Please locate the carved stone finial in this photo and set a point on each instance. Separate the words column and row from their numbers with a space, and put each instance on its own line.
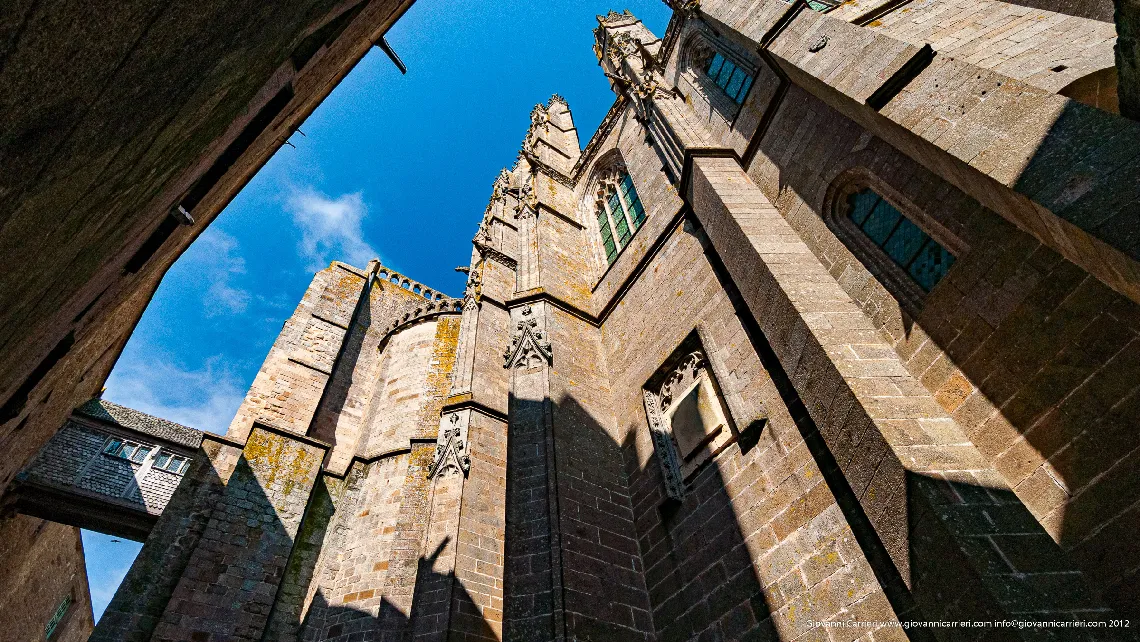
column 529, row 347
column 528, row 201
column 686, row 7
column 451, row 453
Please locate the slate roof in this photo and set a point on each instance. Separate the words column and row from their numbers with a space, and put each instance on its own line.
column 104, row 410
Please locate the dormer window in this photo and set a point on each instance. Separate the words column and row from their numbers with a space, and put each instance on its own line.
column 170, row 462
column 128, row 450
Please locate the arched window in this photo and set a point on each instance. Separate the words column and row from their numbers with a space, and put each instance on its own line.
column 618, row 210
column 907, row 250
column 718, row 74
column 908, row 247
column 732, row 80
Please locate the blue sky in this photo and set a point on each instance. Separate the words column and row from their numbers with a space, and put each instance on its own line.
column 389, row 166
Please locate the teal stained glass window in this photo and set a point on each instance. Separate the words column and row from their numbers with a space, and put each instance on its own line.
column 632, row 202
column 607, row 235
column 619, row 216
column 621, row 225
column 733, row 80
column 921, row 257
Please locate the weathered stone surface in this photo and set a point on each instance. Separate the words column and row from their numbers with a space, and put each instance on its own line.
column 883, row 451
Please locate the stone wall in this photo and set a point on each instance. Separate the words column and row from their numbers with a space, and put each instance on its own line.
column 43, row 570
column 870, row 438
column 1027, row 351
column 117, row 127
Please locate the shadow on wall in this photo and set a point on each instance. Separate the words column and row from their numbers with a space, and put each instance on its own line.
column 1051, row 351
column 213, row 567
column 773, row 535
column 384, row 621
column 749, row 554
column 344, row 368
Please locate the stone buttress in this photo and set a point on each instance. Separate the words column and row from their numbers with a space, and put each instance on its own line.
column 688, row 393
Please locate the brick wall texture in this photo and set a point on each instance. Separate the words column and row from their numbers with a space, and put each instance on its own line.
column 43, row 567
column 890, row 456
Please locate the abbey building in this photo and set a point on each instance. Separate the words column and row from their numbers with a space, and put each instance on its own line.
column 828, row 331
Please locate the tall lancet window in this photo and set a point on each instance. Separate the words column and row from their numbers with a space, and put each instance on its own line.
column 619, row 210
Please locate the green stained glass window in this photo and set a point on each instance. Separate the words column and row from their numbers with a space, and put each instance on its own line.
column 607, row 235
column 908, row 247
column 619, row 217
column 632, row 202
column 621, row 225
column 733, row 80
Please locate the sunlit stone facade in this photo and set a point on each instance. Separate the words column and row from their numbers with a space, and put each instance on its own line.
column 834, row 319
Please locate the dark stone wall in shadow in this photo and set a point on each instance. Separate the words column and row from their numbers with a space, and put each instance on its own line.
column 1037, row 360
column 140, row 600
column 528, row 581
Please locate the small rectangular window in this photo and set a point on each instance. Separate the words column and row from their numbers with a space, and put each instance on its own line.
column 112, row 446
column 177, row 464
column 162, row 460
column 140, row 454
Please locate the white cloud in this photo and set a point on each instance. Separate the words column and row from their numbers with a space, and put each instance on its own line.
column 217, row 252
column 206, row 399
column 330, row 228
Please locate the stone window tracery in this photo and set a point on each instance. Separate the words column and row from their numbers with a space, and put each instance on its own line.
column 618, row 209
column 687, row 417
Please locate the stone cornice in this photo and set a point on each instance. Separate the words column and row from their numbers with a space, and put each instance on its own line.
column 476, row 406
column 490, row 252
column 547, row 169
